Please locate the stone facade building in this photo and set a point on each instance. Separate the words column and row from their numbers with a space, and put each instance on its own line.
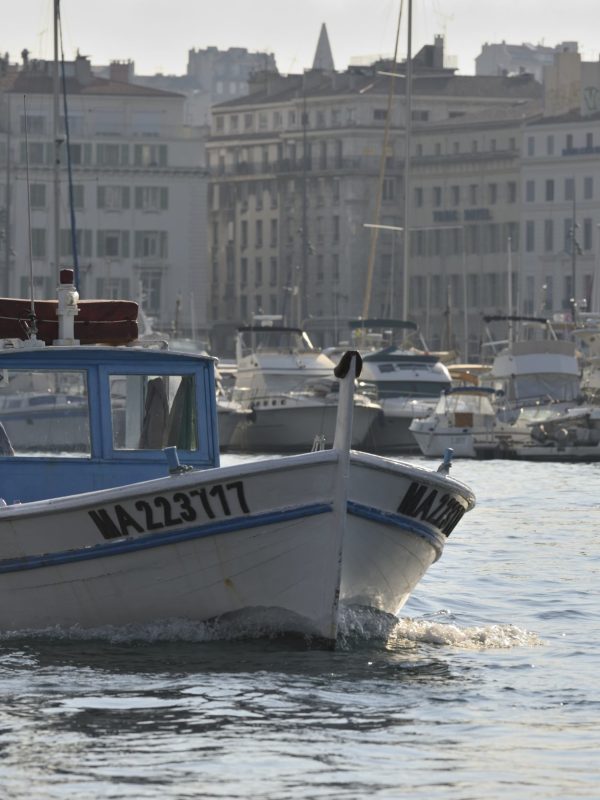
column 139, row 191
column 294, row 175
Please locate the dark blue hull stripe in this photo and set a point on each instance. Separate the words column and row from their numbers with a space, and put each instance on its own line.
column 398, row 521
column 126, row 545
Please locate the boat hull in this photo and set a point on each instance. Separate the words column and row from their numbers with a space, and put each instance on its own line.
column 255, row 540
column 292, row 428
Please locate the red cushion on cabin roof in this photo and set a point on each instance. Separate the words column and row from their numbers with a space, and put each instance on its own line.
column 98, row 321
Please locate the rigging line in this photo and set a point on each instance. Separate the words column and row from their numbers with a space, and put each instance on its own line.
column 382, row 163
column 69, row 162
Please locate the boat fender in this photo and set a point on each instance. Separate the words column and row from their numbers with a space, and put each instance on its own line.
column 341, row 370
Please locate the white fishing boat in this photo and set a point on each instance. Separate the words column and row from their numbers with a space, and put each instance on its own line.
column 466, row 420
column 287, row 384
column 278, row 541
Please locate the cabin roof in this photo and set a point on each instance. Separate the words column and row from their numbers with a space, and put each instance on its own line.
column 94, row 355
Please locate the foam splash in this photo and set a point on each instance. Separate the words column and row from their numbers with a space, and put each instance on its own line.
column 419, row 631
column 357, row 627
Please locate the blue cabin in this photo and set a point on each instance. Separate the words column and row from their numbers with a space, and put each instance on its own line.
column 80, row 418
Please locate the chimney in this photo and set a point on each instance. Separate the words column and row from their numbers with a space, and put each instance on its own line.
column 120, row 71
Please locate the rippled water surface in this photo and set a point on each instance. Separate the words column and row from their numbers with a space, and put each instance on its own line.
column 489, row 687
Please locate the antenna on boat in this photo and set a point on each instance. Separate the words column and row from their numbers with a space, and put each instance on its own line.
column 31, row 325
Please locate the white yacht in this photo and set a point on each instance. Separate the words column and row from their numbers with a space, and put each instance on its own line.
column 408, row 383
column 287, row 385
column 465, row 419
column 535, row 373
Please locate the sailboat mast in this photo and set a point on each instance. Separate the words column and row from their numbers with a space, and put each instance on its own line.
column 55, row 117
column 407, row 131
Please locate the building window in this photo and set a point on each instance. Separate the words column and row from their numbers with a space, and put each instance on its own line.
column 112, row 198
column 259, row 233
column 473, row 194
column 588, row 188
column 530, row 236
column 587, row 234
column 550, row 145
column 530, row 191
column 549, row 190
column 112, row 244
column 36, row 124
column 437, row 196
column 549, row 236
column 151, row 244
column 569, row 188
column 492, row 193
column 380, row 114
column 248, row 122
column 530, row 146
column 336, row 228
column 388, row 189
column 589, row 141
column 150, row 155
column 511, row 187
column 493, row 145
column 419, row 115
column 38, row 243
column 455, row 195
column 150, row 281
column 418, row 196
column 569, row 141
column 37, row 195
column 151, row 198
column 258, row 272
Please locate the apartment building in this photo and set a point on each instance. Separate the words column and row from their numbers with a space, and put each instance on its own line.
column 294, row 176
column 138, row 188
column 561, row 193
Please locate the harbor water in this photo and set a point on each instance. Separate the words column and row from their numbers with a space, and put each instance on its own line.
column 489, row 687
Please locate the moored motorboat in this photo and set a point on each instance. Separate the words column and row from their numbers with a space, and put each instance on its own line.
column 287, row 385
column 466, row 420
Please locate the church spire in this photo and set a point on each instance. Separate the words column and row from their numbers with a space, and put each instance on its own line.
column 323, row 59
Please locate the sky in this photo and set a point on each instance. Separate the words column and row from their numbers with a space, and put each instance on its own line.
column 157, row 34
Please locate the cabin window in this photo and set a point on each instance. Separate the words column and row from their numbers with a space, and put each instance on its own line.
column 45, row 412
column 149, row 412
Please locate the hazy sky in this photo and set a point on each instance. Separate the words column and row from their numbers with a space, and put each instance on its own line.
column 157, row 34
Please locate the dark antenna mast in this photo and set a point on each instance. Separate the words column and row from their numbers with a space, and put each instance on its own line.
column 32, row 326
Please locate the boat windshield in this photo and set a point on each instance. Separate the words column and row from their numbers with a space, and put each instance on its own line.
column 150, row 412
column 44, row 413
column 410, row 388
column 472, row 403
column 275, row 341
